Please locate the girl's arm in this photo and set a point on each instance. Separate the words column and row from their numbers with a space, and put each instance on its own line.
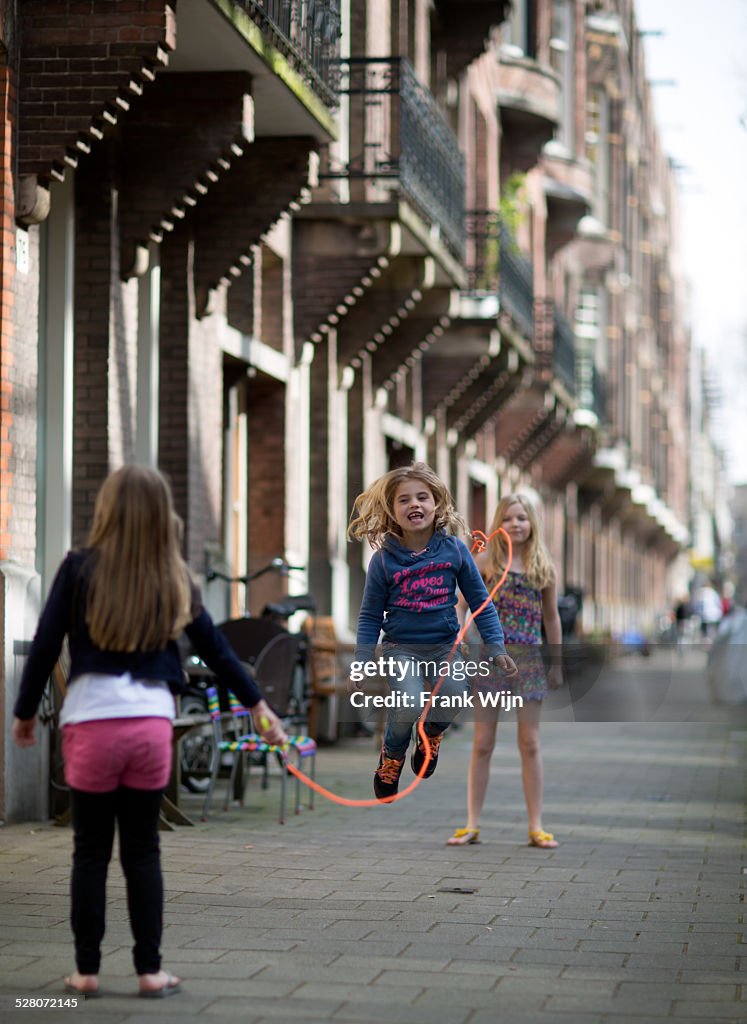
column 475, row 593
column 550, row 615
column 54, row 623
column 373, row 606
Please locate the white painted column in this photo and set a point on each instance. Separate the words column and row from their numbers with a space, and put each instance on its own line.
column 338, row 492
column 148, row 364
column 56, row 365
column 298, row 448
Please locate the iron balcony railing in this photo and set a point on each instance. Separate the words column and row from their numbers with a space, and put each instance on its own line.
column 307, row 33
column 495, row 265
column 516, row 289
column 564, row 351
column 555, row 343
column 400, row 140
column 600, row 395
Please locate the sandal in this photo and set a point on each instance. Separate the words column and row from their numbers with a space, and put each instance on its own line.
column 170, row 988
column 77, row 990
column 464, row 837
column 544, row 840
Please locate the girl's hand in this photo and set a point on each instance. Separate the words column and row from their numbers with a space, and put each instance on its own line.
column 555, row 677
column 505, row 664
column 23, row 731
column 268, row 724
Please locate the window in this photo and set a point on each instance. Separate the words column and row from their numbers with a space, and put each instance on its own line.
column 590, row 354
column 521, row 33
column 563, row 59
column 597, row 149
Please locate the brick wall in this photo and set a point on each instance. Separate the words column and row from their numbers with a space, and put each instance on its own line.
column 176, row 259
column 320, row 578
column 93, row 281
column 266, row 430
column 23, row 405
column 7, row 304
column 191, row 406
column 18, row 357
column 272, row 299
column 81, row 65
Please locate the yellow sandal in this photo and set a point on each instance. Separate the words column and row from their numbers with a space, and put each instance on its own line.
column 544, row 840
column 464, row 837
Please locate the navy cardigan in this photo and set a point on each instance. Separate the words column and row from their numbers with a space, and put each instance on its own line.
column 64, row 614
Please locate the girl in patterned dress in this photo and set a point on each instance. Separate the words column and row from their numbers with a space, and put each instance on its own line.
column 526, row 600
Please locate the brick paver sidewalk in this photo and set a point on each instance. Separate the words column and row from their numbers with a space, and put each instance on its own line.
column 347, row 915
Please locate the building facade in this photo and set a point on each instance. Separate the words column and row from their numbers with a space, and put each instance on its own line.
column 279, row 248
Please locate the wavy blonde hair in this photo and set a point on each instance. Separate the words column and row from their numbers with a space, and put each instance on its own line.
column 373, row 512
column 139, row 592
column 538, row 567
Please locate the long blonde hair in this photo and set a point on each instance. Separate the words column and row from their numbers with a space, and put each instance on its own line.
column 538, row 567
column 139, row 592
column 373, row 512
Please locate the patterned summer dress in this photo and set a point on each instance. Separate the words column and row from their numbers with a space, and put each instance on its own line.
column 519, row 608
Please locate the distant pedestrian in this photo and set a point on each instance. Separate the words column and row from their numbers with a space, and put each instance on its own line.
column 707, row 605
column 525, row 602
column 122, row 601
column 682, row 616
column 407, row 515
column 570, row 604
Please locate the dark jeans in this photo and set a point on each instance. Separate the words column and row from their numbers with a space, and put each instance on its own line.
column 94, row 814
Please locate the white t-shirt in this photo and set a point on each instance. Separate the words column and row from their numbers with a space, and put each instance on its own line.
column 94, row 696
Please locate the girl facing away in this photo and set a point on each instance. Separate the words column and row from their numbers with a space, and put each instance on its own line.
column 526, row 600
column 408, row 517
column 122, row 601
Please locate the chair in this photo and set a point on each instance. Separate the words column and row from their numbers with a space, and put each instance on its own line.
column 234, row 734
column 233, row 731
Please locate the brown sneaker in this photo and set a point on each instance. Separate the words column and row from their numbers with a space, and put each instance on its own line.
column 418, row 755
column 386, row 776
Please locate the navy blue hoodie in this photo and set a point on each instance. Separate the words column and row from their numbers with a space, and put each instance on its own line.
column 411, row 595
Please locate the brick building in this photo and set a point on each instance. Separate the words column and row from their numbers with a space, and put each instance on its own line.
column 271, row 248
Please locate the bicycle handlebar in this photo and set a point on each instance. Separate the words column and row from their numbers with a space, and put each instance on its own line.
column 277, row 565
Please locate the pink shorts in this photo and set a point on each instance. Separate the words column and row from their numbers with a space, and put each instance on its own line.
column 100, row 756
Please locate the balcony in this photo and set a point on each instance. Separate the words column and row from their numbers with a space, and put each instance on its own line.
column 289, row 47
column 556, row 345
column 607, row 47
column 460, row 29
column 402, row 147
column 529, row 100
column 568, row 187
column 564, row 352
column 496, row 270
column 591, row 392
column 308, row 36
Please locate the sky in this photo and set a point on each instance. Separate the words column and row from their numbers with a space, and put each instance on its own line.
column 703, row 125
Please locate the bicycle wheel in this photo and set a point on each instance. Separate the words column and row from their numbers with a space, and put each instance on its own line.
column 196, row 749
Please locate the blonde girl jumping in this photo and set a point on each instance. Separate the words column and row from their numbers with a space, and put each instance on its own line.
column 407, row 516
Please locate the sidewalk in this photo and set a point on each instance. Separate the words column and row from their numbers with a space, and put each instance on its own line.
column 345, row 915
